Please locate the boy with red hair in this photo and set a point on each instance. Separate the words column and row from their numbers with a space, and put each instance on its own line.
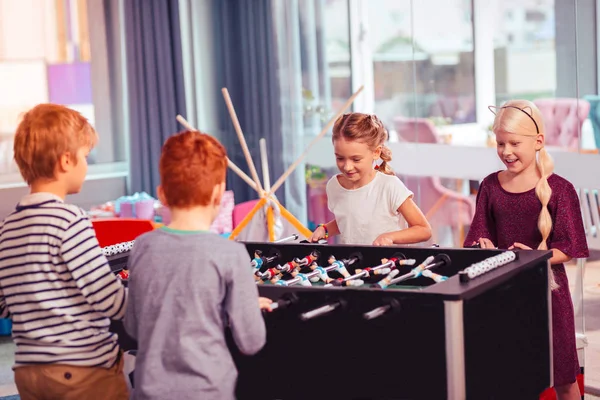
column 55, row 282
column 187, row 284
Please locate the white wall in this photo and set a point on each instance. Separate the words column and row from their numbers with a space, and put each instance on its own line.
column 531, row 71
column 94, row 192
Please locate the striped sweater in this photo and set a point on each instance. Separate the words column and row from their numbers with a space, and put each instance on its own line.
column 57, row 286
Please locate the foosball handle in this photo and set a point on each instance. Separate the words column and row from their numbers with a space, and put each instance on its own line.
column 323, row 310
column 286, row 301
column 393, row 304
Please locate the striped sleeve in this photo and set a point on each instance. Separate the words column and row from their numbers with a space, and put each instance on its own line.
column 90, row 270
column 4, row 313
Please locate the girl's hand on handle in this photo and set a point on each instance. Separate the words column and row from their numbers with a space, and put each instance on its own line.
column 264, row 303
column 318, row 234
column 383, row 240
column 517, row 245
column 486, row 243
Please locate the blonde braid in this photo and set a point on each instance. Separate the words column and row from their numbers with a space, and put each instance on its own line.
column 386, row 156
column 543, row 192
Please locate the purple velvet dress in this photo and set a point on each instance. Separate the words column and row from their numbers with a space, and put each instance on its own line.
column 505, row 218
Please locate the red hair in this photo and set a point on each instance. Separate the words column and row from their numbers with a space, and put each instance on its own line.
column 191, row 165
column 44, row 135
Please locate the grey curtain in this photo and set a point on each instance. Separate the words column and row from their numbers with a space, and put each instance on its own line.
column 247, row 64
column 155, row 84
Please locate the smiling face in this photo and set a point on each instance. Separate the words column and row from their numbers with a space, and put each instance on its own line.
column 518, row 152
column 519, row 130
column 355, row 161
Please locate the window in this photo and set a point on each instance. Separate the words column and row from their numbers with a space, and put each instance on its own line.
column 522, row 44
column 50, row 53
column 419, row 69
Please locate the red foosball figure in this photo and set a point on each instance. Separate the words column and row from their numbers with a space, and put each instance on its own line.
column 309, row 259
column 272, row 274
column 289, row 267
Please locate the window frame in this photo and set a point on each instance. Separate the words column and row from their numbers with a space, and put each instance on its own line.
column 110, row 97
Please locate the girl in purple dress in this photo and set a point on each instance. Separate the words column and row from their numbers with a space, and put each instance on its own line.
column 526, row 206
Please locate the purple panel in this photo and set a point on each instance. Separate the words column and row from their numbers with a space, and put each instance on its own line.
column 70, row 83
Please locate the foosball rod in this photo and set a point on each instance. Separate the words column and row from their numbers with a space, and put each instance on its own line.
column 287, row 239
column 317, row 312
column 308, row 275
column 395, row 261
column 363, row 273
column 442, row 259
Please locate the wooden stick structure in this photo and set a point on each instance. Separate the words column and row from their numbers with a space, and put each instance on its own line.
column 267, row 182
column 240, row 134
column 271, row 223
column 261, row 203
column 265, row 164
column 267, row 195
column 323, row 132
column 285, row 213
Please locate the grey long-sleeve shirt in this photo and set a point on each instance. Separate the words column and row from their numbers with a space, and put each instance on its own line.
column 183, row 290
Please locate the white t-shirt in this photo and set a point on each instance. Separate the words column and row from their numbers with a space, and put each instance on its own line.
column 365, row 213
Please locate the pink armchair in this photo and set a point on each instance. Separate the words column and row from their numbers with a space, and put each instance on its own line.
column 442, row 207
column 241, row 210
column 563, row 118
column 417, row 130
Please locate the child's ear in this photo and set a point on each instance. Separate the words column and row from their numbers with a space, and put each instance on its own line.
column 377, row 153
column 161, row 195
column 218, row 193
column 539, row 141
column 65, row 162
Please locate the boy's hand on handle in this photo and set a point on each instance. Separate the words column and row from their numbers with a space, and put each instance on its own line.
column 383, row 240
column 517, row 245
column 264, row 303
column 318, row 234
column 486, row 243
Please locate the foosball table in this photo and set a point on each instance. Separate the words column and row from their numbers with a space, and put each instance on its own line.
column 362, row 322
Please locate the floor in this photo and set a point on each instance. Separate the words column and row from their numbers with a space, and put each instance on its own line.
column 591, row 310
column 7, row 358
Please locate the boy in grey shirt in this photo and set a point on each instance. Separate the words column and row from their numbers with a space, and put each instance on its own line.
column 187, row 285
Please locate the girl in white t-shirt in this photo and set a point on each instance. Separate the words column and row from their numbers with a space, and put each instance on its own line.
column 367, row 198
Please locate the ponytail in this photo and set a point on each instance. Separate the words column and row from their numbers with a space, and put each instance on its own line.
column 543, row 192
column 386, row 156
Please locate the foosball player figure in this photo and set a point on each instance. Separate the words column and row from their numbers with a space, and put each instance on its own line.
column 272, row 275
column 291, row 268
column 303, row 262
column 257, row 263
column 340, row 266
column 323, row 276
